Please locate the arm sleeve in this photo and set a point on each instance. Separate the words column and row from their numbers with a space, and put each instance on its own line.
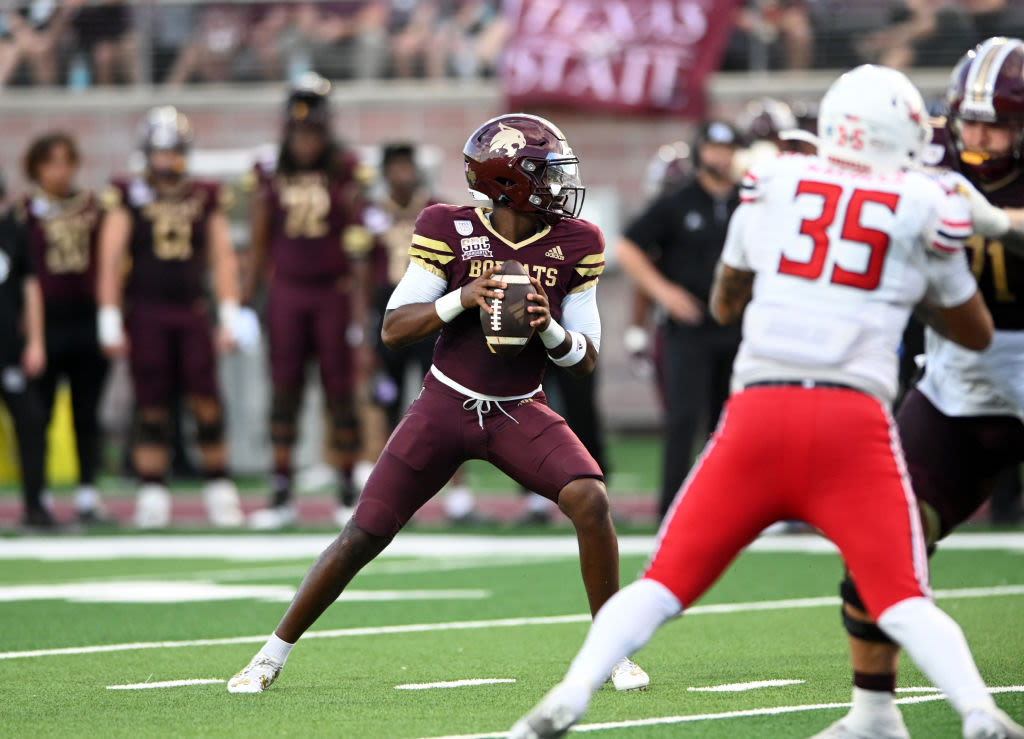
column 734, row 253
column 950, row 281
column 417, row 285
column 579, row 313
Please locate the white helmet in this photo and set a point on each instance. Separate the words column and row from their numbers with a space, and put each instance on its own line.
column 873, row 119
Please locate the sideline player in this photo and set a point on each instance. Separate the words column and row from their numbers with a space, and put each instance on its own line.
column 963, row 425
column 170, row 228
column 63, row 223
column 475, row 404
column 831, row 253
column 308, row 240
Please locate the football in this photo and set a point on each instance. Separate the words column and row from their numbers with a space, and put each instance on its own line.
column 507, row 328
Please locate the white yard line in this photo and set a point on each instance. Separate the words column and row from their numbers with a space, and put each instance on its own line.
column 166, row 684
column 772, row 711
column 455, row 683
column 743, row 687
column 1002, row 590
column 264, row 547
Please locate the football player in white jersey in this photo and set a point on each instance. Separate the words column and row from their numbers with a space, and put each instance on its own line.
column 963, row 425
column 832, row 252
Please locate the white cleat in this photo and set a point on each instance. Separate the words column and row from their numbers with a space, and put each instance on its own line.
column 991, row 723
column 628, row 675
column 222, row 505
column 882, row 729
column 342, row 515
column 562, row 707
column 273, row 518
column 153, row 506
column 257, row 676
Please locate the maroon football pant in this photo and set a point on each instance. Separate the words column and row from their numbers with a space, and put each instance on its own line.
column 303, row 321
column 954, row 463
column 437, row 434
column 170, row 349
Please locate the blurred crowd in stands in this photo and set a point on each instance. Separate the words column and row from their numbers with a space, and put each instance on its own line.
column 79, row 43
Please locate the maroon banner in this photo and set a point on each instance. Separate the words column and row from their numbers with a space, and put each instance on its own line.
column 637, row 56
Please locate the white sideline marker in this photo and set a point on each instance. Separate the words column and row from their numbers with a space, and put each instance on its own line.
column 455, row 683
column 743, row 687
column 166, row 684
column 772, row 711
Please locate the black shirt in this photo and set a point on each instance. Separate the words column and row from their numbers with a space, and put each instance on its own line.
column 15, row 268
column 683, row 233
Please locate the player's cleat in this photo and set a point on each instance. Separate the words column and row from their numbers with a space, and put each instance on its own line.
column 153, row 506
column 273, row 518
column 342, row 514
column 991, row 723
column 38, row 519
column 562, row 707
column 257, row 676
column 628, row 675
column 885, row 728
column 96, row 516
column 222, row 505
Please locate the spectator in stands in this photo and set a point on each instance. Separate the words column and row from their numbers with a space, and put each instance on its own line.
column 771, row 34
column 30, row 32
column 106, row 35
column 22, row 358
column 63, row 223
column 345, row 39
column 220, row 35
column 670, row 251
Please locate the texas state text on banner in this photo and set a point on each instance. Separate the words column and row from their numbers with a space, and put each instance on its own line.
column 614, row 55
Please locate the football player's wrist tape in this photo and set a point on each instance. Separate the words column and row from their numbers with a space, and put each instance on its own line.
column 553, row 335
column 110, row 326
column 576, row 352
column 449, row 307
column 227, row 314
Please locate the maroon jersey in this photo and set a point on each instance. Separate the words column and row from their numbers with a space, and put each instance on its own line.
column 458, row 244
column 999, row 272
column 393, row 225
column 168, row 246
column 62, row 236
column 316, row 225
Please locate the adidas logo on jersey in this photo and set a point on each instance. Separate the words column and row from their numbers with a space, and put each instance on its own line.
column 555, row 252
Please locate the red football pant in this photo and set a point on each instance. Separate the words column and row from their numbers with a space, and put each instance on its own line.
column 828, row 457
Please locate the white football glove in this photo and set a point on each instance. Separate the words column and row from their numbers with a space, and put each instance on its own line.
column 988, row 220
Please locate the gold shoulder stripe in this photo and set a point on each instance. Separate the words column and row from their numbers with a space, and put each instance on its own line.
column 225, row 197
column 356, row 240
column 110, row 198
column 429, row 267
column 439, row 258
column 590, row 271
column 584, row 287
column 431, row 243
column 592, row 259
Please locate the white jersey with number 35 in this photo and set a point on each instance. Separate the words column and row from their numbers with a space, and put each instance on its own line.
column 841, row 258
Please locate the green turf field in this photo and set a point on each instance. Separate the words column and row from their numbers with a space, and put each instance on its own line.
column 344, row 683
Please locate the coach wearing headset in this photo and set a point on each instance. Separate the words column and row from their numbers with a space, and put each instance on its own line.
column 670, row 251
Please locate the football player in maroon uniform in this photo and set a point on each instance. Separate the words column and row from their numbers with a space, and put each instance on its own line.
column 309, row 241
column 962, row 426
column 475, row 403
column 167, row 230
column 63, row 222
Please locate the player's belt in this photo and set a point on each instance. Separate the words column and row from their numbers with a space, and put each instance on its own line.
column 806, row 384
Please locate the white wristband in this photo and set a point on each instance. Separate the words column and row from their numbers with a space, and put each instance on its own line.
column 227, row 314
column 576, row 353
column 553, row 335
column 449, row 307
column 109, row 326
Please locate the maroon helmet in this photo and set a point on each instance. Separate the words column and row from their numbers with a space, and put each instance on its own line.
column 524, row 162
column 987, row 84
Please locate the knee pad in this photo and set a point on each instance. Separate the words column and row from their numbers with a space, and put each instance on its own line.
column 345, row 425
column 210, row 432
column 856, row 628
column 152, row 431
column 284, row 409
